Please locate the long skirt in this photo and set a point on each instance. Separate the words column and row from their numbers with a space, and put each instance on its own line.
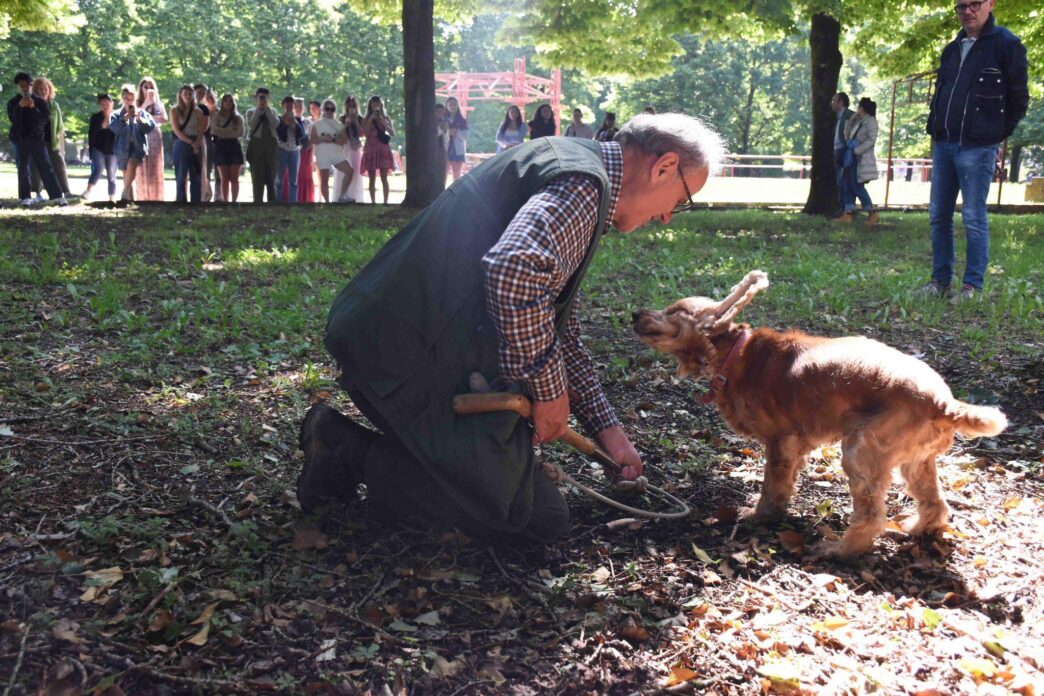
column 148, row 184
column 306, row 178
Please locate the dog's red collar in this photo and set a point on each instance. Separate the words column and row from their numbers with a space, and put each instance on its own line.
column 719, row 380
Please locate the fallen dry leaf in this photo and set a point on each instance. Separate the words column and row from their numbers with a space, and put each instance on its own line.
column 309, row 539
column 160, row 620
column 679, row 675
column 792, row 541
column 442, row 668
column 205, row 615
column 200, row 639
column 66, row 630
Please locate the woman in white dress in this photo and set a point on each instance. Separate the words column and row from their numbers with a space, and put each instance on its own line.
column 328, row 135
column 352, row 149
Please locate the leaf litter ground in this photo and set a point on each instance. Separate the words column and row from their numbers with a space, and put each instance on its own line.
column 151, row 542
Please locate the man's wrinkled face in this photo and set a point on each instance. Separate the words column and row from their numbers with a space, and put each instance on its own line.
column 973, row 18
column 652, row 189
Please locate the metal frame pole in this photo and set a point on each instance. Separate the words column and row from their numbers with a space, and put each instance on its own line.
column 891, row 141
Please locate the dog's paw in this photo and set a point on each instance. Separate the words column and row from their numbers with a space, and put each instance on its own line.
column 760, row 515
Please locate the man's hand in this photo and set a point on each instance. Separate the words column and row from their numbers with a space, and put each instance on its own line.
column 550, row 419
column 618, row 446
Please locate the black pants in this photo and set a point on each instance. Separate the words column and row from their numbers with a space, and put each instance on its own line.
column 397, row 481
column 35, row 151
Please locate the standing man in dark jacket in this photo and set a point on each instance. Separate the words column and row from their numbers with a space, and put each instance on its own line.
column 30, row 125
column 980, row 95
column 484, row 280
column 841, row 102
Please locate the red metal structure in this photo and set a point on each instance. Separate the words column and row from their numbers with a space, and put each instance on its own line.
column 516, row 88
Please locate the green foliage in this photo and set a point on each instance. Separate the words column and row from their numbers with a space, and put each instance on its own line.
column 298, row 47
column 38, row 15
column 901, row 39
column 766, row 108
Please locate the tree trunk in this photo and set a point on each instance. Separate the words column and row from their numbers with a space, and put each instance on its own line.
column 425, row 175
column 824, row 45
column 1015, row 163
column 748, row 116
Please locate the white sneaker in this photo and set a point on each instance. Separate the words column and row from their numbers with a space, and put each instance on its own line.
column 62, row 202
column 39, row 198
column 28, row 202
column 346, row 199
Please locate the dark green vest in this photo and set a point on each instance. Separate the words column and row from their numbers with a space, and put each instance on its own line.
column 412, row 325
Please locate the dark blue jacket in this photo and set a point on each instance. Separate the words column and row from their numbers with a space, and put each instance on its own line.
column 29, row 123
column 980, row 102
column 283, row 131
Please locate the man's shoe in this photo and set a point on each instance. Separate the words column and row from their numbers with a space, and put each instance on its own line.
column 334, row 447
column 932, row 288
column 843, row 218
column 873, row 218
column 62, row 201
column 28, row 202
column 968, row 293
column 346, row 199
column 39, row 198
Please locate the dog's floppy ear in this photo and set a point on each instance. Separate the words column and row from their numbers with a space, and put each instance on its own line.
column 739, row 297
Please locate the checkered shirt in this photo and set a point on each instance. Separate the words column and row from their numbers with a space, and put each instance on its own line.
column 525, row 272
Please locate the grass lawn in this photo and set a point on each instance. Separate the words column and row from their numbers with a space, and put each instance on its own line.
column 155, row 363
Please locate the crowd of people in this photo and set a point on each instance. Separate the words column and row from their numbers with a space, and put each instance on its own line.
column 285, row 147
column 212, row 141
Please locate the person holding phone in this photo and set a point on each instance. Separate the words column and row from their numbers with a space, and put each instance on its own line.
column 329, row 138
column 377, row 153
column 263, row 146
column 29, row 115
column 131, row 128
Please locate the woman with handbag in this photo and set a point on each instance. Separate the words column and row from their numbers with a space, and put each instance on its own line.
column 860, row 165
column 329, row 137
column 351, row 119
column 188, row 124
column 377, row 154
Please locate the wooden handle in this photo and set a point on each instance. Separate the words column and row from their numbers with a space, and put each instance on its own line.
column 575, row 439
column 465, row 404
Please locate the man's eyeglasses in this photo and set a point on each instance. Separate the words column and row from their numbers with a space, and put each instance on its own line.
column 329, row 108
column 963, row 7
column 690, row 204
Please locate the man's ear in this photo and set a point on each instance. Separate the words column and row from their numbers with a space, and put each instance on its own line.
column 665, row 166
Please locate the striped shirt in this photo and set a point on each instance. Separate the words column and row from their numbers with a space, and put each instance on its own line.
column 527, row 269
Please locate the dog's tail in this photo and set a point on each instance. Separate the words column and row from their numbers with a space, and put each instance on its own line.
column 977, row 421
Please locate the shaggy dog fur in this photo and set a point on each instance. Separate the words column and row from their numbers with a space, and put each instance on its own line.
column 794, row 392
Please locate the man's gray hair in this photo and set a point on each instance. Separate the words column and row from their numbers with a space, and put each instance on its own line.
column 697, row 144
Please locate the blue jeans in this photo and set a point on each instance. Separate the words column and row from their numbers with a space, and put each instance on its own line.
column 855, row 189
column 100, row 161
column 186, row 166
column 289, row 162
column 968, row 170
